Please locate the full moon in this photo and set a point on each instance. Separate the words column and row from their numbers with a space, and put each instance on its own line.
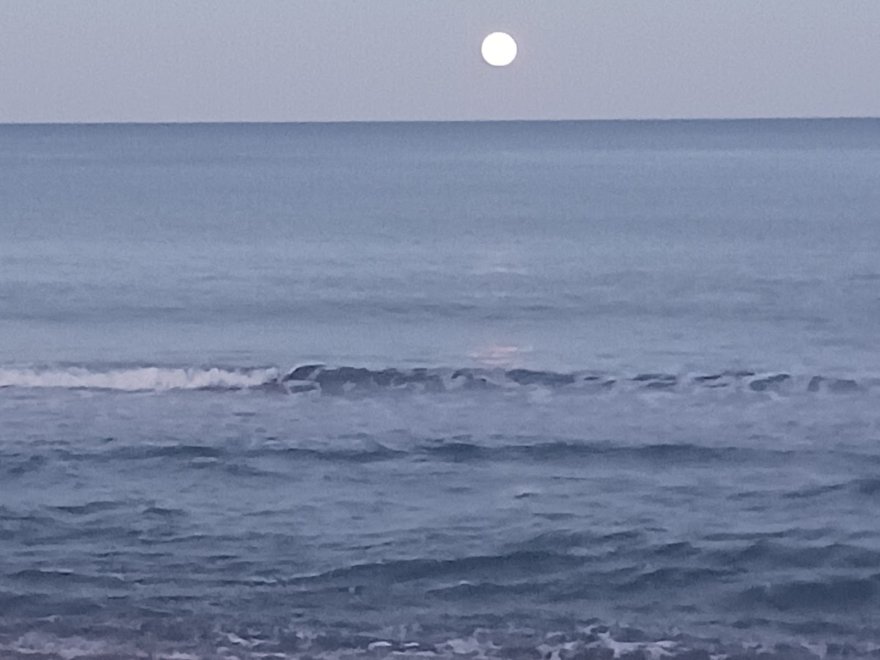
column 499, row 49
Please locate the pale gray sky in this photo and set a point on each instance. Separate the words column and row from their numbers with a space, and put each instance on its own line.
column 327, row 60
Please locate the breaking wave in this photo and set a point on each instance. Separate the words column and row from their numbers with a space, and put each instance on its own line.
column 135, row 379
column 354, row 380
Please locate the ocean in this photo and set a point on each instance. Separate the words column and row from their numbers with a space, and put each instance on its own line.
column 550, row 390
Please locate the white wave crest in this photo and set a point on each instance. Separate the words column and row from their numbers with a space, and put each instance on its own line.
column 135, row 379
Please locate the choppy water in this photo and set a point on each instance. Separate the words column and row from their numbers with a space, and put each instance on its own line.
column 561, row 390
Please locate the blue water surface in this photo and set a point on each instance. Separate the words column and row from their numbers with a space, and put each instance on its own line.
column 561, row 390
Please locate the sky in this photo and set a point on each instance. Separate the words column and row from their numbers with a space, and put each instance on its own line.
column 353, row 60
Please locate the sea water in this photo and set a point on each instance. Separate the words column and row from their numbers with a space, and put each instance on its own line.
column 519, row 390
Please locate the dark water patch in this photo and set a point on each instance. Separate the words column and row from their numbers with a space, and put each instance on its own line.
column 163, row 512
column 32, row 605
column 655, row 377
column 376, row 452
column 813, row 491
column 603, row 545
column 769, row 554
column 16, row 465
column 769, row 383
column 813, row 627
column 559, row 541
column 303, row 372
column 626, row 536
column 60, row 533
column 234, row 467
column 176, row 537
column 656, row 381
column 868, row 486
column 833, row 594
column 835, row 385
column 247, row 470
column 345, row 379
column 174, row 451
column 793, row 532
column 458, row 452
column 675, row 550
column 677, row 453
column 15, row 515
column 679, row 577
column 393, row 572
column 89, row 508
column 471, row 592
column 546, row 378
column 57, row 578
column 861, row 487
column 555, row 516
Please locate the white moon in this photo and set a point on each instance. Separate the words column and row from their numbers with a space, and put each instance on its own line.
column 499, row 49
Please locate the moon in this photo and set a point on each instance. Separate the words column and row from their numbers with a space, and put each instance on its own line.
column 499, row 49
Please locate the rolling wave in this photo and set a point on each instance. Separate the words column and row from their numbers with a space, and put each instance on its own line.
column 358, row 380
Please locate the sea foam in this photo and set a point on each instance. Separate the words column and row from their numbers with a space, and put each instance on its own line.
column 135, row 379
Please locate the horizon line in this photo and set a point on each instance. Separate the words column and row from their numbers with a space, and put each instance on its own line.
column 441, row 121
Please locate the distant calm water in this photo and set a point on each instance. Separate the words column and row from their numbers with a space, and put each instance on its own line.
column 519, row 390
